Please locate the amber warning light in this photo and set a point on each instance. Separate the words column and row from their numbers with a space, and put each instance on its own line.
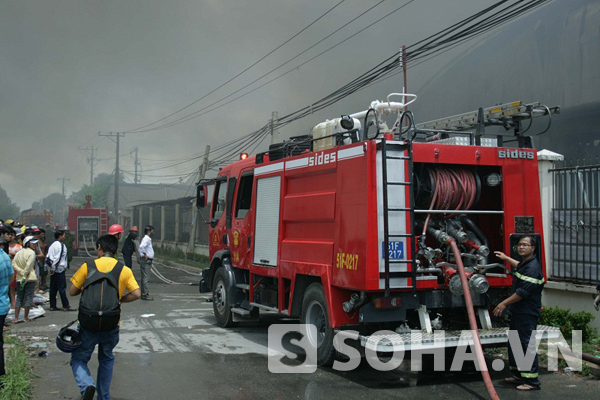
column 243, row 156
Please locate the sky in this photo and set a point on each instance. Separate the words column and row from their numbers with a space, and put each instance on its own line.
column 72, row 69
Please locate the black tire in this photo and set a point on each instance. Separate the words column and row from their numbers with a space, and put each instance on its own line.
column 222, row 299
column 314, row 311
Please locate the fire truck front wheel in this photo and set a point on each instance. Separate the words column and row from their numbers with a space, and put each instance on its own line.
column 222, row 299
column 314, row 311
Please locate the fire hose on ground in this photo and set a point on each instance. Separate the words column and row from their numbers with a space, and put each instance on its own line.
column 472, row 321
column 153, row 269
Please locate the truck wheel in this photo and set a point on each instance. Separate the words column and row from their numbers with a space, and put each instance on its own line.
column 222, row 300
column 314, row 311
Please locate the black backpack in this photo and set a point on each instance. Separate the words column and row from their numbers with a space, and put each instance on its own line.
column 100, row 306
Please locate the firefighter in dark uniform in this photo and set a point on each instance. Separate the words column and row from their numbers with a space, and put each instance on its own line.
column 525, row 306
column 129, row 248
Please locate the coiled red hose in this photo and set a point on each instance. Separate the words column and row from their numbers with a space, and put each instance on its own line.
column 454, row 188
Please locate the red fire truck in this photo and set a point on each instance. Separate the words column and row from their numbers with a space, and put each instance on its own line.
column 351, row 228
column 40, row 218
column 87, row 224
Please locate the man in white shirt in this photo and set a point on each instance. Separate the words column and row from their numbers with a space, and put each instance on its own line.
column 57, row 262
column 147, row 255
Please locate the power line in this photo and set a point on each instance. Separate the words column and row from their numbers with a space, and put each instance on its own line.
column 242, row 72
column 199, row 112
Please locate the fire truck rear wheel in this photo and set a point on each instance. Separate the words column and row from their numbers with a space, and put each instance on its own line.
column 314, row 311
column 222, row 299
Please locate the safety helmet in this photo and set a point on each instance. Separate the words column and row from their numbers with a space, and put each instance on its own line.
column 9, row 221
column 68, row 339
column 133, row 229
column 114, row 229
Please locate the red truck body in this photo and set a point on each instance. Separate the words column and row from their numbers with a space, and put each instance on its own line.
column 281, row 226
column 87, row 224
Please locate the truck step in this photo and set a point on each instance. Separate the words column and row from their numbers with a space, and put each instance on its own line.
column 243, row 286
column 240, row 311
column 419, row 340
column 267, row 308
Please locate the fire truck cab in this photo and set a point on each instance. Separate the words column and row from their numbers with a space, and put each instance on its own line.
column 349, row 229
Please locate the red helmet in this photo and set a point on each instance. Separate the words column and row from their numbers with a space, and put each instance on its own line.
column 114, row 229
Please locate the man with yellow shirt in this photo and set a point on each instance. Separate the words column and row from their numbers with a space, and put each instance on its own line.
column 106, row 247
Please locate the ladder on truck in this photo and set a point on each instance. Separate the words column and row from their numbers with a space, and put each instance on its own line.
column 103, row 223
column 395, row 147
column 508, row 115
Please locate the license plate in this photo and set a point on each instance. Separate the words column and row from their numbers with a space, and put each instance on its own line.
column 395, row 250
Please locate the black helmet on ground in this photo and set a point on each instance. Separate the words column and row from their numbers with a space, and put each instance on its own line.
column 68, row 339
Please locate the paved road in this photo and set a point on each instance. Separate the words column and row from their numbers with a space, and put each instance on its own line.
column 171, row 348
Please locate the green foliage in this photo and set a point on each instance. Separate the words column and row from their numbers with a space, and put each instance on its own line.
column 99, row 192
column 18, row 372
column 8, row 209
column 568, row 322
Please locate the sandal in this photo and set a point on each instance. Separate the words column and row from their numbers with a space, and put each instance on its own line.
column 525, row 387
column 513, row 379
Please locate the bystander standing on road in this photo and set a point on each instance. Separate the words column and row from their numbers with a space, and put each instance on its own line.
column 106, row 246
column 6, row 277
column 39, row 259
column 129, row 246
column 525, row 306
column 147, row 255
column 43, row 268
column 24, row 266
column 57, row 262
column 13, row 248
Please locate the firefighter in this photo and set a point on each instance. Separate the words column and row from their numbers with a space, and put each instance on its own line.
column 115, row 230
column 129, row 247
column 525, row 305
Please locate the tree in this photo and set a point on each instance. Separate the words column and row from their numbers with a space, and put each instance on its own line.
column 98, row 192
column 8, row 209
column 57, row 203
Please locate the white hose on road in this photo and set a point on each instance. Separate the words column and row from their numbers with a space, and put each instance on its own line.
column 165, row 280
column 86, row 247
column 181, row 269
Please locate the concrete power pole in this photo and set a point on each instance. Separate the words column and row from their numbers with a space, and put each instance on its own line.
column 63, row 184
column 204, row 166
column 274, row 131
column 202, row 173
column 135, row 179
column 118, row 135
column 90, row 161
column 62, row 210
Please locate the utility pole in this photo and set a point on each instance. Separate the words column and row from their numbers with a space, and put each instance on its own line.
column 201, row 172
column 135, row 178
column 274, row 131
column 90, row 161
column 204, row 166
column 63, row 184
column 62, row 210
column 118, row 135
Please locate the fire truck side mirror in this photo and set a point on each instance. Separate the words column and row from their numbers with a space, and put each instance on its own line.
column 201, row 195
